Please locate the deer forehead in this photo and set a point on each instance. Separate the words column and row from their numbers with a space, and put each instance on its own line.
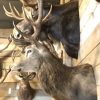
column 30, row 47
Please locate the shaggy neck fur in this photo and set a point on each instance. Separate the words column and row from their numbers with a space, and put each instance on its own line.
column 53, row 75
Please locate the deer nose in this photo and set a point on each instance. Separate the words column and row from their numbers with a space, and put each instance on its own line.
column 19, row 70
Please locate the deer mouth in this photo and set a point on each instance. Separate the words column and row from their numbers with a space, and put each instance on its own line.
column 27, row 76
column 20, row 75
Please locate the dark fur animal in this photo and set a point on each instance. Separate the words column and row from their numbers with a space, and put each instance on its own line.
column 62, row 24
column 58, row 80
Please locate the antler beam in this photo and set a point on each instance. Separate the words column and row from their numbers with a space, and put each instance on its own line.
column 13, row 13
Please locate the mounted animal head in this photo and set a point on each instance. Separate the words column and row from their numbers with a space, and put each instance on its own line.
column 22, row 28
column 63, row 24
column 31, row 21
column 20, row 33
column 67, row 32
column 35, row 57
column 54, row 77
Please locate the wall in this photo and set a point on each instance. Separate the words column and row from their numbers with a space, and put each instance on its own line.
column 90, row 37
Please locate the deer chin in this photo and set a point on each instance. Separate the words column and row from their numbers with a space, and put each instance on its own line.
column 18, row 77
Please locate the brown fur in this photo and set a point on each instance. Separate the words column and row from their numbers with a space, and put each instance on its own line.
column 25, row 92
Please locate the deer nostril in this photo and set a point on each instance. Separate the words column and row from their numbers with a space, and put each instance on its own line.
column 19, row 69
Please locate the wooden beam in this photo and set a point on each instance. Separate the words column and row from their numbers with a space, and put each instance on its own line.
column 83, row 7
column 5, row 33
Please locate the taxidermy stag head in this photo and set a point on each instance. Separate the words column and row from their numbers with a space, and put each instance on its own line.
column 58, row 80
column 62, row 24
column 22, row 28
column 59, row 21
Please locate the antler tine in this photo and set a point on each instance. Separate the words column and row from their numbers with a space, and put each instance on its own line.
column 24, row 13
column 40, row 11
column 11, row 8
column 40, row 14
column 16, row 11
column 13, row 13
column 36, row 24
column 47, row 14
column 26, row 18
column 7, row 12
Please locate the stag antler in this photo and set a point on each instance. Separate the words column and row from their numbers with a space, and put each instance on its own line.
column 45, row 18
column 37, row 24
column 13, row 13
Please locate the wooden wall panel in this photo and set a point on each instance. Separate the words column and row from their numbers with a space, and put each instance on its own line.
column 83, row 6
column 90, row 37
column 87, row 13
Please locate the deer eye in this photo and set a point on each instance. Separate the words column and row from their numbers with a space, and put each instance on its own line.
column 29, row 51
